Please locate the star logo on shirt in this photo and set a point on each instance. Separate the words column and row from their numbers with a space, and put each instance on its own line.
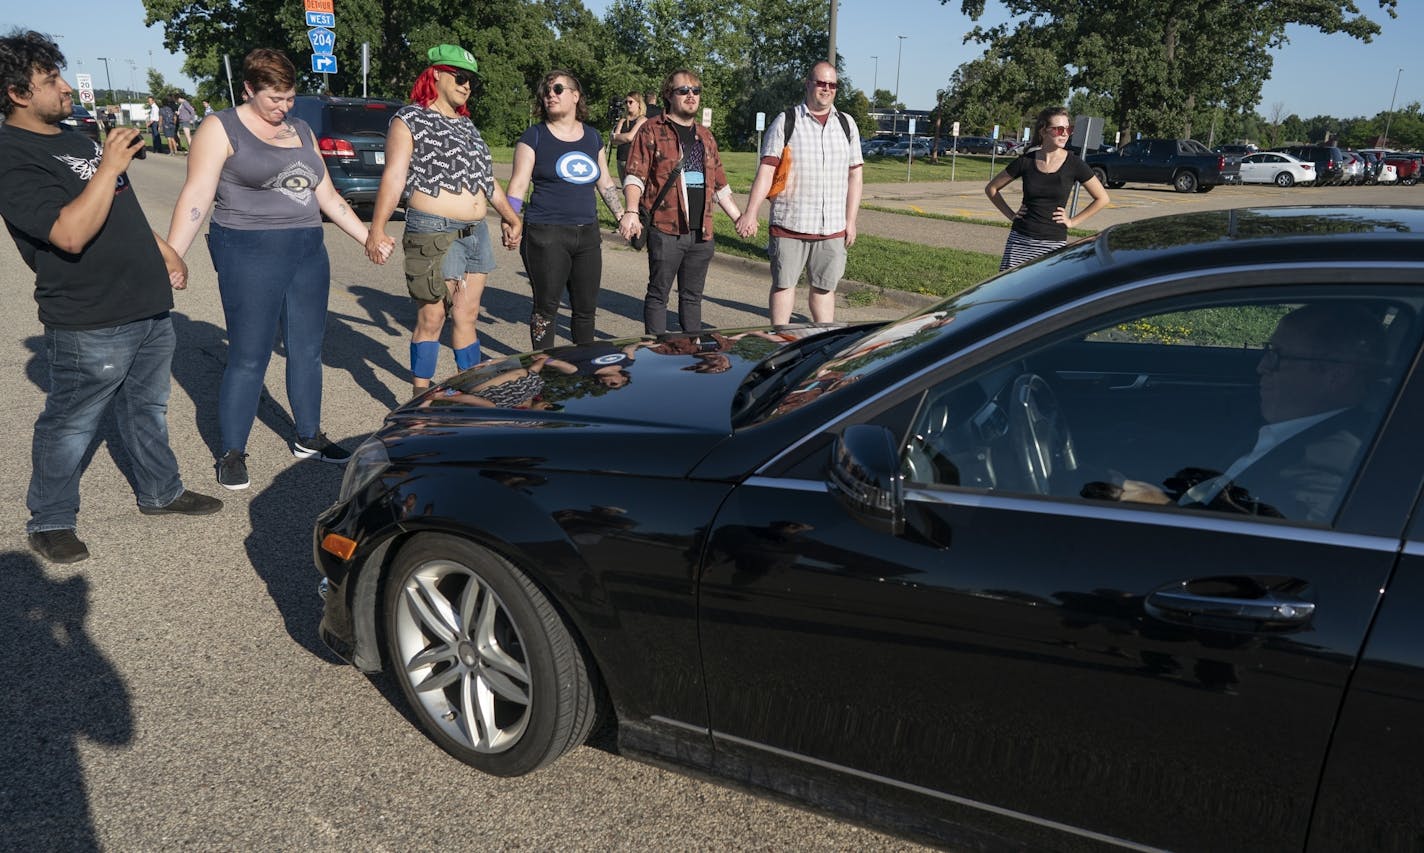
column 576, row 167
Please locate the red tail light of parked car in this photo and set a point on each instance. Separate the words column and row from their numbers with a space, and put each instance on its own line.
column 335, row 147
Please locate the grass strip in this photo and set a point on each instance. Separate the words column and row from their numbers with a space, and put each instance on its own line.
column 878, row 261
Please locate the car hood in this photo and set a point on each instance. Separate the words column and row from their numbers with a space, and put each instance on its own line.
column 633, row 405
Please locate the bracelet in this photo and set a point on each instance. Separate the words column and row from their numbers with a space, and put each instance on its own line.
column 626, row 212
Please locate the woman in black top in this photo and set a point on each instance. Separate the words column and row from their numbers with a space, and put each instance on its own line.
column 634, row 114
column 1048, row 171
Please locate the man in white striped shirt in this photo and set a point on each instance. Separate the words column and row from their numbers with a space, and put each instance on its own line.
column 813, row 217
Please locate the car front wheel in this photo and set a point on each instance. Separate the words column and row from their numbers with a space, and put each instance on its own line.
column 484, row 659
column 1284, row 179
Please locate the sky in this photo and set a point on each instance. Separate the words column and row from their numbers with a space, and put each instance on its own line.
column 1313, row 75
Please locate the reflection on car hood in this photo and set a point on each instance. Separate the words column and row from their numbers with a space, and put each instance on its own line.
column 673, row 381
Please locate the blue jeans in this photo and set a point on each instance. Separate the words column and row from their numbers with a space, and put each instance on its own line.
column 266, row 279
column 129, row 365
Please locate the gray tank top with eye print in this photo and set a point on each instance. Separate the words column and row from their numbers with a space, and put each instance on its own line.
column 264, row 186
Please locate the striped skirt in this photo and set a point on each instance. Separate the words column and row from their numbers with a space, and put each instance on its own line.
column 1021, row 249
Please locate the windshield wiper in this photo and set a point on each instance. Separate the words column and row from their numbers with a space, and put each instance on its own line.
column 784, row 368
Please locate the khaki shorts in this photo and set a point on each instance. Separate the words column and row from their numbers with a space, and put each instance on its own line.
column 823, row 260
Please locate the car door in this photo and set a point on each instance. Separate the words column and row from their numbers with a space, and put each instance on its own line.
column 1031, row 657
column 1254, row 168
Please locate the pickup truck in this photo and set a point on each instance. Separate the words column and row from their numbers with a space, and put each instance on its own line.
column 1186, row 164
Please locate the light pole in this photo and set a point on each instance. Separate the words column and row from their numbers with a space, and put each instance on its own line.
column 875, row 80
column 132, row 66
column 1389, row 116
column 109, row 78
column 898, row 52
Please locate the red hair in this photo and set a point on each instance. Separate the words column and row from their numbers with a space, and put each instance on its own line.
column 425, row 93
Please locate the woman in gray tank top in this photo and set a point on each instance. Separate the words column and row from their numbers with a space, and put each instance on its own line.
column 261, row 172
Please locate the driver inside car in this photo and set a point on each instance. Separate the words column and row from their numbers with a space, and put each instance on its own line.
column 1319, row 368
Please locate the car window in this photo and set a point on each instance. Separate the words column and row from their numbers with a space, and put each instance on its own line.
column 1264, row 408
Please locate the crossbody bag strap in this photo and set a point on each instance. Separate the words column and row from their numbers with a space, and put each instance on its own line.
column 667, row 185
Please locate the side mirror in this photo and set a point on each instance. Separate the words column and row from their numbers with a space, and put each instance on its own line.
column 865, row 477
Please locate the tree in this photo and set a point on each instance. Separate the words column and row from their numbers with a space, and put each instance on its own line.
column 1166, row 64
column 885, row 100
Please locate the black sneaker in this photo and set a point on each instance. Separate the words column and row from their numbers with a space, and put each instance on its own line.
column 232, row 470
column 319, row 447
column 187, row 503
column 58, row 546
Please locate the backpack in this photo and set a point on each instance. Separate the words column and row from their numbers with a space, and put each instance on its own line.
column 789, row 124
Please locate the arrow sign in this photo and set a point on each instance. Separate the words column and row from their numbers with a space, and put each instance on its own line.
column 321, row 19
column 323, row 63
column 322, row 40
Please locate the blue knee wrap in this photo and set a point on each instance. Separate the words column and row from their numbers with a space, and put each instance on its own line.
column 468, row 357
column 423, row 358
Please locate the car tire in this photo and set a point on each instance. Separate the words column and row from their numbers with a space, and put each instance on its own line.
column 485, row 661
column 1116, row 185
column 1285, row 179
column 1185, row 181
column 1102, row 176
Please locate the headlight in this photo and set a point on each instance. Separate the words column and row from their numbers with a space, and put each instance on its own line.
column 365, row 465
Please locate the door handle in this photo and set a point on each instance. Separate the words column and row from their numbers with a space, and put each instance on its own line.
column 1262, row 609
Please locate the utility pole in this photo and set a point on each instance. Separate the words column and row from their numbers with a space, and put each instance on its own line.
column 1389, row 117
column 831, row 50
column 875, row 80
column 109, row 78
column 897, row 67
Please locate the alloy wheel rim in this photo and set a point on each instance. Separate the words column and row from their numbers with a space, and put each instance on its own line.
column 463, row 657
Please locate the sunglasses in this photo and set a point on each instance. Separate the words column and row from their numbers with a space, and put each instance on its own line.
column 558, row 89
column 827, row 84
column 460, row 77
column 1060, row 129
column 687, row 90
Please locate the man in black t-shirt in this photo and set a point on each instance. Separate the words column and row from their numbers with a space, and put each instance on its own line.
column 102, row 281
column 680, row 228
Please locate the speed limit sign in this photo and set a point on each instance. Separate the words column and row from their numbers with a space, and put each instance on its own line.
column 85, row 83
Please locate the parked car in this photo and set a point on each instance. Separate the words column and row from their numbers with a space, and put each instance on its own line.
column 1371, row 167
column 978, row 145
column 876, row 146
column 1329, row 161
column 351, row 134
column 920, row 145
column 1354, row 166
column 1186, row 164
column 889, row 568
column 1273, row 167
column 82, row 120
column 1236, row 149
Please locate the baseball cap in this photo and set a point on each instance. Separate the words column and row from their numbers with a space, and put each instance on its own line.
column 454, row 56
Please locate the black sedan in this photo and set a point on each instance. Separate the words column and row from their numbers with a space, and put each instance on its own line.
column 1117, row 549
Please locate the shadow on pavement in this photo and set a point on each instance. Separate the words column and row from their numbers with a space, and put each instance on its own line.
column 279, row 548
column 55, row 688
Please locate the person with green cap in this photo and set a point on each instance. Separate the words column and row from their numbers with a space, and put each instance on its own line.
column 436, row 157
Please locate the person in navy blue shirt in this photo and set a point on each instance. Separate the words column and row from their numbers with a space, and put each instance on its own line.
column 564, row 159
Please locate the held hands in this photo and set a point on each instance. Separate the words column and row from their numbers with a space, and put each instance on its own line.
column 628, row 225
column 511, row 232
column 177, row 271
column 747, row 225
column 379, row 246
